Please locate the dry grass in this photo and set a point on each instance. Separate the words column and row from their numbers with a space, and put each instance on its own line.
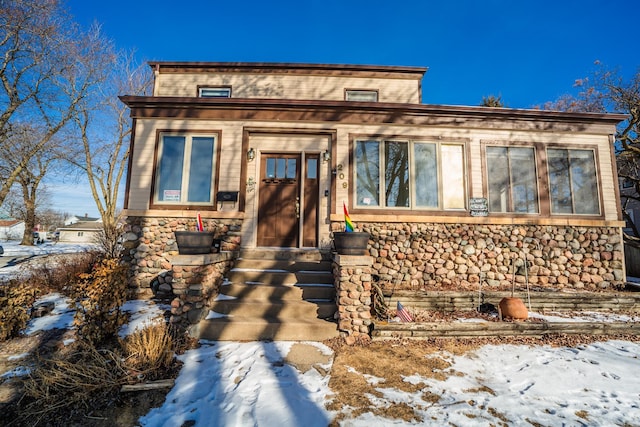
column 149, row 350
column 75, row 379
column 361, row 373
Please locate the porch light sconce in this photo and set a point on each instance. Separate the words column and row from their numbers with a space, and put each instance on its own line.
column 251, row 154
column 326, row 156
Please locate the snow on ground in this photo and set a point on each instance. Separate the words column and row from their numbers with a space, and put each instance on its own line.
column 232, row 383
column 244, row 384
column 14, row 249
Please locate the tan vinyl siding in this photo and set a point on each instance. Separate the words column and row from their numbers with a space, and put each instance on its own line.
column 232, row 157
column 288, row 86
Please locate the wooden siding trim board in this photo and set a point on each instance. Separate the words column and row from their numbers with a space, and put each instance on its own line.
column 378, row 71
column 369, row 113
column 456, row 218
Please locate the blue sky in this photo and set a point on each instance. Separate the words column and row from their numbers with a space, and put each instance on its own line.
column 528, row 52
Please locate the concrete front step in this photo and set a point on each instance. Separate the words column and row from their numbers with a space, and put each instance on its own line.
column 278, row 277
column 266, row 292
column 259, row 329
column 284, row 265
column 276, row 309
column 291, row 254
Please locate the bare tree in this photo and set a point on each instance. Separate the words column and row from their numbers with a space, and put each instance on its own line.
column 47, row 67
column 104, row 127
column 607, row 90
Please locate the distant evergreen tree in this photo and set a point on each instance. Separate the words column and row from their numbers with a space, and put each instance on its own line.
column 492, row 101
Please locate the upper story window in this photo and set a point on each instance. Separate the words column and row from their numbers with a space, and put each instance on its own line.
column 185, row 170
column 361, row 95
column 573, row 182
column 214, row 92
column 409, row 174
column 512, row 179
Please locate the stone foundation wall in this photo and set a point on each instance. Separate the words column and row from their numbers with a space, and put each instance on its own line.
column 196, row 282
column 432, row 256
column 352, row 278
column 149, row 243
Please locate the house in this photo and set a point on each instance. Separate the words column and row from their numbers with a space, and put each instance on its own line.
column 74, row 219
column 81, row 231
column 11, row 229
column 453, row 196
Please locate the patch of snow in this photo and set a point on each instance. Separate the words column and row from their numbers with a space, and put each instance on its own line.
column 214, row 315
column 243, row 384
column 141, row 314
column 60, row 318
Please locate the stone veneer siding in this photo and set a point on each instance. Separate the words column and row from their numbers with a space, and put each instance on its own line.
column 150, row 243
column 429, row 256
column 196, row 283
column 352, row 278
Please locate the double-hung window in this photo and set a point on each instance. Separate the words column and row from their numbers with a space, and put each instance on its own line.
column 573, row 183
column 185, row 169
column 512, row 181
column 409, row 174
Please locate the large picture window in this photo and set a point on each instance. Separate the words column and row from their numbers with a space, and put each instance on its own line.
column 512, row 179
column 573, row 183
column 185, row 169
column 409, row 175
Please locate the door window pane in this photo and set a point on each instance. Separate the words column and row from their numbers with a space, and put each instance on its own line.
column 426, row 167
column 396, row 181
column 367, row 173
column 312, row 168
column 292, row 168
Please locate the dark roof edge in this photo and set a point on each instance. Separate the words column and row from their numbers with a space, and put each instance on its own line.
column 531, row 114
column 275, row 66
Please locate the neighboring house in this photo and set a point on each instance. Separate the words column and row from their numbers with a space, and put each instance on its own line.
column 631, row 206
column 80, row 232
column 452, row 195
column 11, row 229
column 76, row 219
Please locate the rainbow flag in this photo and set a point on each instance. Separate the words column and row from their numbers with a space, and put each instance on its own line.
column 199, row 225
column 348, row 225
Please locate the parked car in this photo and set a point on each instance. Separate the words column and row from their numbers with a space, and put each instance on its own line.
column 1, row 250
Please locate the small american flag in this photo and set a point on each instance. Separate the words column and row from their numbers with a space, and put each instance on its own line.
column 403, row 314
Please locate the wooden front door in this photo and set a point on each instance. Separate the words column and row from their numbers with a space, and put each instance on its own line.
column 279, row 200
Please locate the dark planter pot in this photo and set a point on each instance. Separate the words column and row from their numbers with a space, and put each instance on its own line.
column 194, row 242
column 351, row 243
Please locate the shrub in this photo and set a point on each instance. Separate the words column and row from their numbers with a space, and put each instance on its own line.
column 16, row 300
column 99, row 296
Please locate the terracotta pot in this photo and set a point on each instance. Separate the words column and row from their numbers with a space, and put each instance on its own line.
column 512, row 308
column 351, row 242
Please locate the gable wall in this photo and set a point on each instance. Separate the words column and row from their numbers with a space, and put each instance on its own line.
column 288, row 86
